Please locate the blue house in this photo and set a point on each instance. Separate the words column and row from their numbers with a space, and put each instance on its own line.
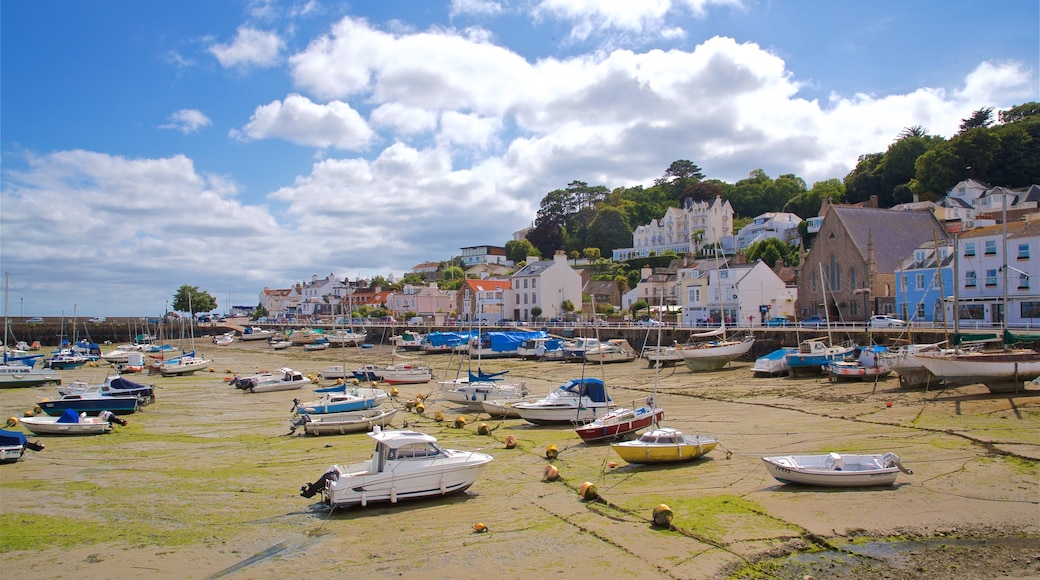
column 923, row 279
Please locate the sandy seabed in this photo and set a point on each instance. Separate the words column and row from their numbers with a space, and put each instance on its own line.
column 204, row 483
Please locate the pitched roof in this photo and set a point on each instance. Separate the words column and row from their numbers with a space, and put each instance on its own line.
column 488, row 285
column 895, row 233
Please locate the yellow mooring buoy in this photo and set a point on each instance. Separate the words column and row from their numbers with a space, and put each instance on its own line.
column 588, row 491
column 552, row 452
column 662, row 516
column 483, row 429
column 420, row 408
column 438, row 416
column 460, row 422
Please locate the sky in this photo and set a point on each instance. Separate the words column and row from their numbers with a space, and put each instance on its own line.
column 238, row 145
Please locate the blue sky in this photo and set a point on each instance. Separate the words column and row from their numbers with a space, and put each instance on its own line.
column 235, row 145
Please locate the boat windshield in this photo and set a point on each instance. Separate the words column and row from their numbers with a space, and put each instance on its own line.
column 415, row 451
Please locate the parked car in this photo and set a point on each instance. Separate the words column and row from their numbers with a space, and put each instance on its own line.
column 98, row 319
column 416, row 320
column 34, row 320
column 885, row 321
column 777, row 321
column 813, row 322
column 649, row 322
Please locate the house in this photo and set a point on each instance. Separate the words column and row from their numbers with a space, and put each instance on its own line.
column 320, row 296
column 780, row 225
column 481, row 300
column 682, row 230
column 485, row 271
column 739, row 294
column 656, row 287
column 429, row 269
column 280, row 303
column 427, row 301
column 991, row 267
column 474, row 255
column 603, row 293
column 854, row 259
column 546, row 285
column 925, row 276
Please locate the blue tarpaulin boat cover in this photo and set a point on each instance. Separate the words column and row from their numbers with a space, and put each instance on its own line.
column 69, row 416
column 509, row 341
column 8, row 438
column 587, row 387
column 448, row 338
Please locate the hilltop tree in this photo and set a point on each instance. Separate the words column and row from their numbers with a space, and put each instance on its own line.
column 1019, row 112
column 518, row 250
column 680, row 174
column 191, row 299
column 772, row 250
column 980, row 118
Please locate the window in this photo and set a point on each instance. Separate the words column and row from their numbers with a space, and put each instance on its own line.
column 1031, row 310
column 1023, row 251
column 969, row 249
column 991, row 247
column 525, row 282
column 534, row 282
column 919, row 282
column 534, row 298
column 969, row 279
column 991, row 277
column 1023, row 281
column 694, row 295
column 920, row 310
column 972, row 312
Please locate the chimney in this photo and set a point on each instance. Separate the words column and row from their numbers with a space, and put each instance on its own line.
column 560, row 257
column 532, row 260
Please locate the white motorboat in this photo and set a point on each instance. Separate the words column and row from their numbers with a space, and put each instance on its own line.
column 184, row 365
column 255, row 333
column 285, row 379
column 774, row 363
column 71, row 423
column 405, row 465
column 576, row 401
column 346, row 338
column 342, row 423
column 473, row 394
column 615, row 350
column 13, row 445
column 19, row 375
column 279, row 344
column 406, row 374
column 408, row 340
column 836, row 470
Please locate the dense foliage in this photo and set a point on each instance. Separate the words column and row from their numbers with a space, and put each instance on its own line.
column 191, row 299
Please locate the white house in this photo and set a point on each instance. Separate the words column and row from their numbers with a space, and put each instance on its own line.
column 682, row 230
column 983, row 281
column 774, row 224
column 740, row 294
column 545, row 284
column 320, row 296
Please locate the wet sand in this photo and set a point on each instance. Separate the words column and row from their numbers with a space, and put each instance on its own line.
column 204, row 483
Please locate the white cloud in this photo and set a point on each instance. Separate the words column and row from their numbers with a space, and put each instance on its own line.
column 251, row 47
column 300, row 120
column 991, row 82
column 187, row 121
column 479, row 7
column 403, row 120
column 646, row 17
column 460, row 129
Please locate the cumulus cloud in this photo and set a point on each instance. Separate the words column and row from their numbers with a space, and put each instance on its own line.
column 300, row 120
column 251, row 47
column 648, row 17
column 187, row 121
column 478, row 7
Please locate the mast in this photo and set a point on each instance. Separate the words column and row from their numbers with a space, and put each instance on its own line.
column 7, row 288
column 826, row 307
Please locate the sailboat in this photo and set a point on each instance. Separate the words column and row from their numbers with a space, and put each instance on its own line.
column 1001, row 371
column 711, row 353
column 13, row 373
column 187, row 363
column 663, row 444
column 813, row 355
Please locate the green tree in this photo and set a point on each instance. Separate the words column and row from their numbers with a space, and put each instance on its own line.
column 591, row 254
column 772, row 250
column 609, row 230
column 192, row 300
column 1019, row 112
column 638, row 305
column 258, row 312
column 536, row 311
column 518, row 250
column 863, row 181
column 939, row 169
column 979, row 119
column 680, row 174
column 451, row 278
column 380, row 281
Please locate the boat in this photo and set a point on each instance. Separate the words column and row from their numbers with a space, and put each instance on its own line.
column 574, row 350
column 813, row 354
column 346, row 338
column 343, row 423
column 406, row 374
column 836, row 470
column 714, row 354
column 184, row 365
column 663, row 356
column 134, row 364
column 1001, row 371
column 19, row 375
column 336, row 372
column 13, row 445
column 225, row 339
column 71, row 423
column 620, row 423
column 285, row 379
column 319, row 344
column 911, row 373
column 774, row 363
column 255, row 333
column 121, row 354
column 615, row 350
column 504, row 409
column 114, row 385
column 472, row 394
column 664, row 445
column 404, row 465
column 866, row 364
column 342, row 401
column 279, row 344
column 408, row 341
column 369, row 373
column 66, row 359
column 577, row 400
column 91, row 404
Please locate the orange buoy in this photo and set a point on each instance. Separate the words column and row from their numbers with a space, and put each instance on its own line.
column 612, row 465
column 479, row 528
column 550, row 473
column 510, row 441
column 588, row 491
column 662, row 516
column 552, row 452
column 11, row 421
column 483, row 429
column 460, row 422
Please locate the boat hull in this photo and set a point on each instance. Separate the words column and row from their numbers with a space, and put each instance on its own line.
column 668, row 446
column 815, row 470
column 350, row 422
column 557, row 415
column 619, row 426
column 1000, row 372
column 91, row 405
column 51, row 426
column 714, row 356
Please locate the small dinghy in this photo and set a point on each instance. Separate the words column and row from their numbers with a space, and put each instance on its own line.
column 836, row 470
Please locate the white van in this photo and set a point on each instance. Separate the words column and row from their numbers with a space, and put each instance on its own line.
column 417, row 320
column 98, row 319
